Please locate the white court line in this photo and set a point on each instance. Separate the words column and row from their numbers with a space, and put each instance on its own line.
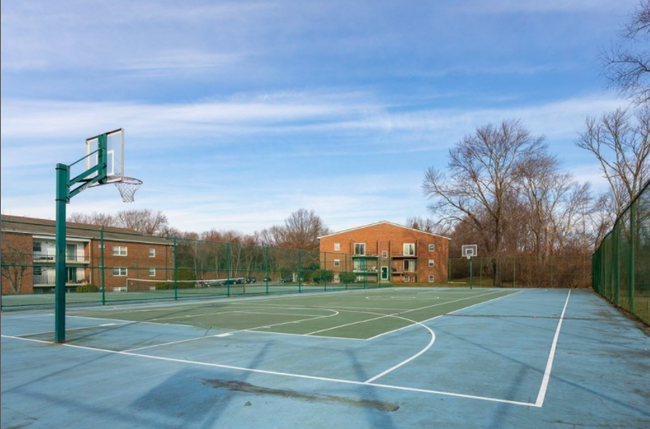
column 399, row 313
column 440, row 315
column 9, row 316
column 173, row 342
column 231, row 332
column 262, row 312
column 549, row 365
column 305, row 335
column 68, row 330
column 338, row 307
column 286, row 374
column 128, row 322
column 404, row 362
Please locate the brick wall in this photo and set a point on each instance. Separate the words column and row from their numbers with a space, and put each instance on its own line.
column 389, row 238
column 137, row 262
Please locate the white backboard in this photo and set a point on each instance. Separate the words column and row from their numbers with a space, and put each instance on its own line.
column 114, row 155
column 469, row 250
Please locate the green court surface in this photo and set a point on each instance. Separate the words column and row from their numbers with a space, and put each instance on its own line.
column 359, row 315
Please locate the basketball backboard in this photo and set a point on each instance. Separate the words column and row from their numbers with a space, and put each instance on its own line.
column 469, row 250
column 114, row 155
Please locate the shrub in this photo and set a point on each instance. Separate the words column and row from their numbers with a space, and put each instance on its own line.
column 87, row 288
column 164, row 285
column 347, row 277
column 185, row 273
column 319, row 276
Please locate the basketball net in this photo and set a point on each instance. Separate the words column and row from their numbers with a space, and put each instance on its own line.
column 128, row 187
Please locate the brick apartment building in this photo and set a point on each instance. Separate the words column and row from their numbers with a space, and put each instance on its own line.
column 28, row 250
column 385, row 251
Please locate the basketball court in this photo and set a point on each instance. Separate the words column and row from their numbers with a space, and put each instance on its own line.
column 394, row 357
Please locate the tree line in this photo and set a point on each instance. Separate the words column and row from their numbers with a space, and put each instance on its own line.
column 300, row 230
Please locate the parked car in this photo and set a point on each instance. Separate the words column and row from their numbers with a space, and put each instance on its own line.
column 250, row 280
column 286, row 280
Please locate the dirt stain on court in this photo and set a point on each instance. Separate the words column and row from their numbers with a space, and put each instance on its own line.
column 241, row 386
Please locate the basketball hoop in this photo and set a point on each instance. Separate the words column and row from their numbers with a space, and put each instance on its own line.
column 128, row 187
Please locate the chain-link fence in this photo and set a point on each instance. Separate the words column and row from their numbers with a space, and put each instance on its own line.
column 621, row 265
column 568, row 271
column 108, row 265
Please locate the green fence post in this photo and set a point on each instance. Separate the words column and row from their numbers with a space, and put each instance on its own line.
column 449, row 272
column 299, row 273
column 324, row 271
column 480, row 271
column 345, row 259
column 617, row 266
column 62, row 180
column 175, row 270
column 267, row 270
column 632, row 254
column 363, row 269
column 102, row 268
column 228, row 267
column 514, row 271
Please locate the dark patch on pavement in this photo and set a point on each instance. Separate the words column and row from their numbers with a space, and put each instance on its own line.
column 241, row 386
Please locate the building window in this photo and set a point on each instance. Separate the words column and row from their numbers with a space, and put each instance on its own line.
column 337, row 262
column 119, row 250
column 38, row 271
column 70, row 252
column 337, row 247
column 409, row 266
column 409, row 249
column 358, row 265
column 152, row 272
column 432, row 247
column 337, row 278
column 119, row 271
column 37, row 246
column 431, row 262
column 100, row 246
column 360, row 249
column 152, row 252
column 430, row 278
column 384, row 253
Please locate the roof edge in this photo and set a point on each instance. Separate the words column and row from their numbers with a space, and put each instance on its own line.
column 379, row 223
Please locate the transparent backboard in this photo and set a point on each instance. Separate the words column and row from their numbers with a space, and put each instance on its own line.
column 114, row 155
column 469, row 250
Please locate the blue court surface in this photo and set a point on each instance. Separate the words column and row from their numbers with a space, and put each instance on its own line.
column 384, row 358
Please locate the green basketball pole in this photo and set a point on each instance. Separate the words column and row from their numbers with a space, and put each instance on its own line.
column 471, row 271
column 64, row 192
column 62, row 179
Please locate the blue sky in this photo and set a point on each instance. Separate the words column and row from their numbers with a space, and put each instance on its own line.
column 237, row 114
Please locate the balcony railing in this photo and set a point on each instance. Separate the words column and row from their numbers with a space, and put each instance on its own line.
column 404, row 255
column 50, row 256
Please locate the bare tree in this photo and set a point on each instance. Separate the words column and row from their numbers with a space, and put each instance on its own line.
column 145, row 221
column 273, row 236
column 554, row 204
column 16, row 263
column 621, row 143
column 421, row 223
column 302, row 229
column 483, row 170
column 95, row 218
column 627, row 64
